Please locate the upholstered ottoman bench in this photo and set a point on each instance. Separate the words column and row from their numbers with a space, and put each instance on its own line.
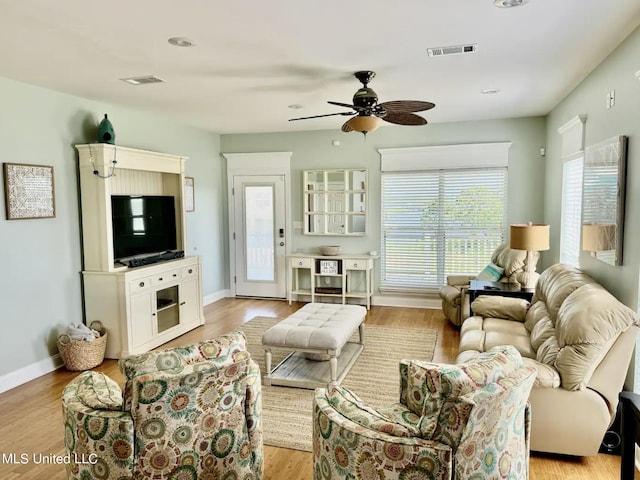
column 318, row 329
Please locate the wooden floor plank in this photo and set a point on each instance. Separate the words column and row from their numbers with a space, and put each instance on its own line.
column 31, row 418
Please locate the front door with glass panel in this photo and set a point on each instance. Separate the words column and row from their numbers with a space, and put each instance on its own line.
column 259, row 223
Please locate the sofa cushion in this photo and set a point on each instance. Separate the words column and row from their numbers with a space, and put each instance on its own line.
column 431, row 384
column 546, row 375
column 490, row 273
column 588, row 323
column 98, row 391
column 500, row 307
column 536, row 313
column 543, row 330
column 555, row 284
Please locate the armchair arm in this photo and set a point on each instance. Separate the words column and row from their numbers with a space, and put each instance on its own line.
column 94, row 435
column 253, row 414
column 342, row 447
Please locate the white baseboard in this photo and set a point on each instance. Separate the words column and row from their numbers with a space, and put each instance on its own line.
column 214, row 297
column 28, row 373
column 410, row 301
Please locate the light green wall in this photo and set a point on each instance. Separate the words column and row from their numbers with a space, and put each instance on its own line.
column 40, row 286
column 616, row 72
column 314, row 149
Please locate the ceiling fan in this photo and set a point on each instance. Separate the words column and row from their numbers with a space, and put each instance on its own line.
column 369, row 114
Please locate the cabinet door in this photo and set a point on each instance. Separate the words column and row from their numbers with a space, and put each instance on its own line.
column 141, row 315
column 189, row 301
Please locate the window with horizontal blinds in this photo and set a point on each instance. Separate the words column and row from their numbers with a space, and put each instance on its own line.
column 439, row 222
column 571, row 215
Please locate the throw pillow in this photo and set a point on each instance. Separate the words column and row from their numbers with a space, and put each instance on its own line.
column 491, row 273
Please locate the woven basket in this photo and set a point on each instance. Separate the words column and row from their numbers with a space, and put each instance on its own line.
column 82, row 355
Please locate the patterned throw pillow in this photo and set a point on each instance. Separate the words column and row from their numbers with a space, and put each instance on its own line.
column 98, row 391
column 491, row 273
column 432, row 385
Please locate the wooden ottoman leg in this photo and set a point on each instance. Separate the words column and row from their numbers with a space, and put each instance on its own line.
column 267, row 362
column 361, row 331
column 333, row 365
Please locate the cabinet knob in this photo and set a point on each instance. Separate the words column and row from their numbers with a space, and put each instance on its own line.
column 160, row 279
column 182, row 303
column 355, row 265
column 300, row 263
column 141, row 284
column 190, row 270
column 153, row 314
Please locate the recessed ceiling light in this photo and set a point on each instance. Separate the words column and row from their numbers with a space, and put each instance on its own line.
column 490, row 91
column 295, row 106
column 509, row 3
column 182, row 42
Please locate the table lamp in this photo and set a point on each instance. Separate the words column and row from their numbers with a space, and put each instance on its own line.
column 532, row 238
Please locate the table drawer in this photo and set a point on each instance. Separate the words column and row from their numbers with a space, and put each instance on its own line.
column 356, row 264
column 140, row 284
column 301, row 262
column 165, row 277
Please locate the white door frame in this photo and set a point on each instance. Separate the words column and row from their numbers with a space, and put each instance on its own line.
column 262, row 163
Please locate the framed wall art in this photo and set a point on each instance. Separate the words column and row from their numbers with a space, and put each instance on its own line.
column 189, row 194
column 28, row 191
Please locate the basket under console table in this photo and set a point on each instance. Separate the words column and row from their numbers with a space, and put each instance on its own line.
column 339, row 276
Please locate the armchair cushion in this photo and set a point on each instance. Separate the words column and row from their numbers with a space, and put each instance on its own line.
column 352, row 407
column 98, row 391
column 500, row 307
column 490, row 273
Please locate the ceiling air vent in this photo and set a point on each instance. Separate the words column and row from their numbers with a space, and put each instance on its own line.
column 452, row 50
column 143, row 80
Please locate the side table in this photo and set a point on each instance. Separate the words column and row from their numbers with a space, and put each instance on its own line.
column 480, row 287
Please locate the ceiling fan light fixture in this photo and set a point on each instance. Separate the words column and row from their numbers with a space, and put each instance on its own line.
column 509, row 3
column 364, row 123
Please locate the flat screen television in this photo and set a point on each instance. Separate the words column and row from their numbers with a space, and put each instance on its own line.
column 142, row 224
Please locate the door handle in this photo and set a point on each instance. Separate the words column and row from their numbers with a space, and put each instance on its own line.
column 281, row 233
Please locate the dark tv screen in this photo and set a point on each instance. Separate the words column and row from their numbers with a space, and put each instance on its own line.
column 142, row 224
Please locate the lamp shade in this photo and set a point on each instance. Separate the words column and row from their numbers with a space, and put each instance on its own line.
column 598, row 237
column 530, row 237
column 364, row 123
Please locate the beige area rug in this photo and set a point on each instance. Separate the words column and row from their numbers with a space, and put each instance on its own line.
column 374, row 377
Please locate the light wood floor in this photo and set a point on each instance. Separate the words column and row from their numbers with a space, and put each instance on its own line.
column 31, row 418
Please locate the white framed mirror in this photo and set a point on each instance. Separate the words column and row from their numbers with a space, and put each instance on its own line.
column 603, row 195
column 335, row 202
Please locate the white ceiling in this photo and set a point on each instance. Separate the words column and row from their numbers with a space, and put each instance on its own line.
column 254, row 57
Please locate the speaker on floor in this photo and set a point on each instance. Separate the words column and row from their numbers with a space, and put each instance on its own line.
column 612, row 441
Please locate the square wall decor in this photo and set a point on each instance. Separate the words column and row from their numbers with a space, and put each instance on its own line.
column 28, row 191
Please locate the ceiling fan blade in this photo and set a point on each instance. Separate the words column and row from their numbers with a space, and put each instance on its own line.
column 346, row 127
column 404, row 118
column 406, row 106
column 356, row 108
column 319, row 116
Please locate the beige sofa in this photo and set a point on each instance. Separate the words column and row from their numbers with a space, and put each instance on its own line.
column 580, row 339
column 454, row 295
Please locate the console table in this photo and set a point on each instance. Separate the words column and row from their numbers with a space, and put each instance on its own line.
column 338, row 276
column 479, row 287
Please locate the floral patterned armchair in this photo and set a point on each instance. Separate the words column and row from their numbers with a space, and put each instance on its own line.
column 186, row 413
column 453, row 421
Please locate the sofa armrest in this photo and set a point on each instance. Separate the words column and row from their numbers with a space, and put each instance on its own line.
column 500, row 307
column 460, row 280
column 332, row 453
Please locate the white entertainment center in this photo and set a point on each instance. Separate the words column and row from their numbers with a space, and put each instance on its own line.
column 145, row 306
